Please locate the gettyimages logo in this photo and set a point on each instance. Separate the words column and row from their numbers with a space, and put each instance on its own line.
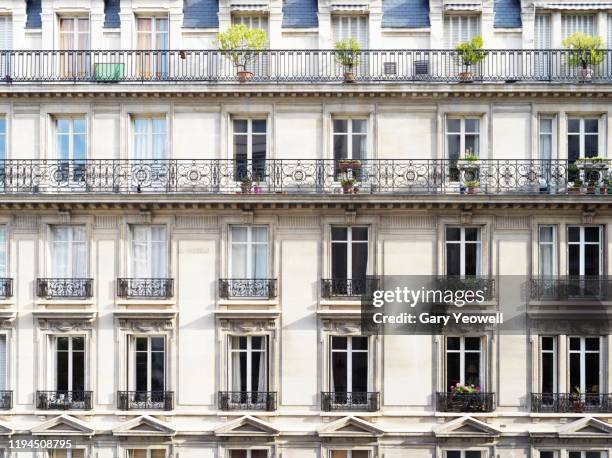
column 411, row 297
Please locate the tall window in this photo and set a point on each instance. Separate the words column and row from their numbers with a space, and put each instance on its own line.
column 350, row 139
column 150, row 364
column 150, row 137
column 152, row 36
column 68, row 252
column 71, row 138
column 251, row 453
column 345, row 26
column 584, row 247
column 463, row 361
column 584, row 364
column 460, row 28
column 547, row 243
column 349, row 454
column 586, row 454
column 3, row 364
column 3, row 253
column 463, row 251
column 70, row 363
column 66, row 453
column 582, row 138
column 462, row 137
column 249, row 252
column 146, row 453
column 249, row 363
column 349, row 364
column 3, row 136
column 250, row 148
column 546, row 137
column 463, row 454
column 349, row 253
column 548, row 364
column 551, row 454
column 74, row 36
column 149, row 252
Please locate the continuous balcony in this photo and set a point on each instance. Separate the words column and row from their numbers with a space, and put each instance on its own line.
column 300, row 176
column 571, row 288
column 247, row 288
column 465, row 402
column 64, row 288
column 64, row 400
column 247, row 400
column 287, row 66
column 350, row 401
column 145, row 288
column 145, row 400
column 571, row 402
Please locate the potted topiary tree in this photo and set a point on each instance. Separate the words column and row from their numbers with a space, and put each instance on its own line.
column 241, row 45
column 469, row 53
column 348, row 54
column 585, row 51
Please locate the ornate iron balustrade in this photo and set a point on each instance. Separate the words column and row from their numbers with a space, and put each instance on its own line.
column 64, row 400
column 465, row 402
column 344, row 401
column 6, row 289
column 571, row 402
column 247, row 400
column 571, row 288
column 347, row 287
column 6, row 400
column 65, row 288
column 254, row 288
column 474, row 283
column 146, row 288
column 285, row 66
column 145, row 400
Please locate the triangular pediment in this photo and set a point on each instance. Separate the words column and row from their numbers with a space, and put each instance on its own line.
column 586, row 427
column 246, row 426
column 5, row 429
column 350, row 427
column 63, row 425
column 144, row 425
column 466, row 427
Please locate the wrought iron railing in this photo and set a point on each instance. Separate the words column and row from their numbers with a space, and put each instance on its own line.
column 571, row 402
column 64, row 400
column 303, row 176
column 6, row 289
column 6, row 400
column 65, row 288
column 305, row 65
column 347, row 287
column 571, row 288
column 145, row 400
column 344, row 401
column 145, row 288
column 465, row 402
column 247, row 400
column 254, row 288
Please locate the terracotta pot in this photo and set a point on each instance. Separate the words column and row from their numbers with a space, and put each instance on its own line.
column 471, row 190
column 573, row 190
column 349, row 77
column 245, row 188
column 585, row 75
column 347, row 188
column 466, row 76
column 244, row 76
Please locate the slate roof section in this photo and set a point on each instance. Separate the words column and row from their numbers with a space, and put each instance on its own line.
column 33, row 10
column 507, row 13
column 111, row 14
column 405, row 13
column 300, row 13
column 201, row 13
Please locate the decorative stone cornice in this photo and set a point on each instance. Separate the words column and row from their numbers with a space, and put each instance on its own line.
column 145, row 325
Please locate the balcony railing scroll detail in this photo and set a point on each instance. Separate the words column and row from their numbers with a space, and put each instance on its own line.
column 571, row 402
column 347, row 287
column 287, row 66
column 6, row 289
column 465, row 402
column 145, row 400
column 64, row 288
column 571, row 288
column 6, row 399
column 350, row 401
column 64, row 400
column 247, row 400
column 145, row 288
column 253, row 288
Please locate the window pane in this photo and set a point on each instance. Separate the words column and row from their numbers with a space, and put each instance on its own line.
column 591, row 146
column 360, row 233
column 472, row 125
column 339, row 454
column 472, row 454
column 339, row 233
column 339, row 371
column 157, row 371
column 360, row 343
column 472, row 368
column 453, row 234
column 573, row 259
column 472, row 343
column 359, row 147
column 240, row 125
column 573, row 147
column 548, row 373
column 259, row 126
column 546, row 234
column 453, row 454
column 359, row 126
column 340, row 146
column 359, row 261
column 574, row 372
column 339, row 260
column 472, row 259
column 453, row 125
column 453, row 370
column 62, row 370
column 360, row 454
column 591, row 234
column 591, row 372
column 591, row 260
column 340, row 125
column 574, row 343
column 360, row 372
column 591, row 125
column 573, row 125
column 548, row 343
column 157, row 343
column 238, row 454
column 591, row 344
column 472, row 234
column 339, row 343
column 158, row 453
column 453, row 343
column 259, row 453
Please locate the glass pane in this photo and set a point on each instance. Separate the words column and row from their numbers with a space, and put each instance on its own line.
column 62, row 370
column 360, row 233
column 259, row 453
column 259, row 126
column 78, row 371
column 359, row 126
column 472, row 259
column 546, row 234
column 574, row 343
column 453, row 370
column 239, row 234
column 591, row 125
column 340, row 125
column 453, row 125
column 574, row 372
column 141, row 371
column 157, row 343
column 453, row 454
column 591, row 344
column 573, row 147
column 339, row 372
column 240, row 125
column 591, row 373
column 340, row 146
column 472, row 343
column 454, row 146
column 573, row 262
column 548, row 373
column 472, row 234
column 259, row 234
column 573, row 234
column 453, row 259
column 548, row 343
column 453, row 343
column 360, row 260
column 360, row 372
column 339, row 343
column 591, row 260
column 360, row 454
column 472, row 454
column 339, row 255
column 453, row 233
column 545, row 125
column 591, row 146
column 158, row 453
column 573, row 125
column 359, row 147
column 157, row 371
column 472, row 368
column 472, row 144
column 591, row 234
column 339, row 233
column 238, row 454
column 339, row 454
column 472, row 125
column 360, row 343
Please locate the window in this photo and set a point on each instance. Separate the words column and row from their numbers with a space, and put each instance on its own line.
column 548, row 364
column 249, row 363
column 68, row 252
column 549, row 454
column 542, row 40
column 3, row 136
column 351, row 26
column 460, row 28
column 149, row 252
column 250, row 148
column 70, row 363
column 584, row 365
column 463, row 361
column 150, row 364
column 66, row 453
column 256, row 453
column 350, row 139
column 349, row 364
column 349, row 454
column 589, row 454
column 146, row 453
column 3, row 253
column 582, row 138
column 349, row 258
column 71, row 138
column 150, row 138
column 462, row 137
column 152, row 35
column 74, row 36
column 249, row 252
column 3, row 365
column 463, row 251
column 547, row 243
column 572, row 23
column 584, row 246
column 463, row 454
column 546, row 137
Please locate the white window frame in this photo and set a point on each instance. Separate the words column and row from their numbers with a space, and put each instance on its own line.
column 349, row 134
column 133, row 353
column 154, row 29
column 71, row 135
column 248, row 450
column 555, row 356
column 149, row 248
column 149, row 135
column 552, row 134
column 462, row 242
column 75, row 19
column 349, row 452
column 553, row 245
column 602, row 453
column 249, row 248
column 483, row 452
column 71, row 248
column 583, row 352
column 582, row 243
column 581, row 134
column 349, row 248
column 70, row 352
column 69, row 452
column 462, row 134
column 249, row 352
column 462, row 351
column 349, row 364
column 249, row 134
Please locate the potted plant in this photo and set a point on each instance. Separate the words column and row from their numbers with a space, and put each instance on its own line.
column 348, row 54
column 348, row 185
column 577, row 400
column 469, row 53
column 472, row 186
column 242, row 45
column 584, row 52
column 257, row 187
column 346, row 164
column 576, row 186
column 458, row 394
column 245, row 185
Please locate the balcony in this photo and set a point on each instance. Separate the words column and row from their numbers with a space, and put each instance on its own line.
column 6, row 289
column 64, row 288
column 346, row 288
column 350, row 401
column 247, row 288
column 294, row 176
column 145, row 288
column 6, row 400
column 64, row 400
column 295, row 66
column 465, row 402
column 145, row 400
column 571, row 402
column 571, row 288
column 247, row 400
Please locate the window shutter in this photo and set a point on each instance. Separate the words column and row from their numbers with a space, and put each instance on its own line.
column 458, row 29
column 351, row 26
column 3, row 362
column 542, row 31
column 6, row 33
column 571, row 23
column 609, row 31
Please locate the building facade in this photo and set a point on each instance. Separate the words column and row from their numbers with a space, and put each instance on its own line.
column 182, row 255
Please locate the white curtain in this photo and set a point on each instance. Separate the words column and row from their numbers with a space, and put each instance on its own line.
column 3, row 261
column 69, row 253
column 150, row 138
column 236, row 366
column 261, row 362
column 249, row 252
column 149, row 252
column 260, row 252
column 547, row 267
column 140, row 138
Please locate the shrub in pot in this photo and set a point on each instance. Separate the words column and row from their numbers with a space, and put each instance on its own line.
column 347, row 54
column 584, row 52
column 241, row 45
column 467, row 54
